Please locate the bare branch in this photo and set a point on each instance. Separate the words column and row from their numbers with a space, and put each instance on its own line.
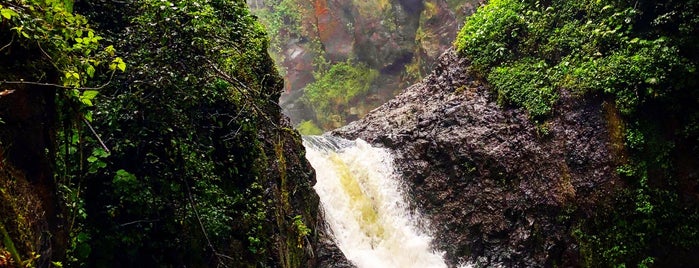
column 56, row 85
column 225, row 76
column 8, row 44
column 138, row 221
column 42, row 50
column 96, row 135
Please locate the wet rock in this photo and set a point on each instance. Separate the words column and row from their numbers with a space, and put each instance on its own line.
column 400, row 39
column 497, row 188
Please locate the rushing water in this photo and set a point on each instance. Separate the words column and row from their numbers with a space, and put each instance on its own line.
column 364, row 206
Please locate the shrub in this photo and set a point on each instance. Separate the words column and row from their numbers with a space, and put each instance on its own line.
column 335, row 89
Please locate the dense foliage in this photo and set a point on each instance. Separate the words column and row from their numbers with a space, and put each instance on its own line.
column 49, row 57
column 641, row 56
column 335, row 89
column 182, row 159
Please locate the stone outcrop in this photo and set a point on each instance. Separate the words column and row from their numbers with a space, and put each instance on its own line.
column 401, row 39
column 497, row 188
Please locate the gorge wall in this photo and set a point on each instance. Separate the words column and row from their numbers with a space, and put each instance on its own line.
column 398, row 40
column 177, row 155
column 497, row 188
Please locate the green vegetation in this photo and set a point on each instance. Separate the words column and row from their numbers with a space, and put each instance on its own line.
column 308, row 128
column 335, row 89
column 584, row 47
column 642, row 57
column 283, row 18
column 162, row 156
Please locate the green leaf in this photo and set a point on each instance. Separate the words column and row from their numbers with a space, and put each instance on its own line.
column 88, row 116
column 90, row 70
column 90, row 94
column 118, row 63
column 87, row 96
column 92, row 159
column 8, row 13
column 86, row 102
column 110, row 50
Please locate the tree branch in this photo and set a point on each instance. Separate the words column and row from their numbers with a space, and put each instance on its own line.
column 21, row 82
column 8, row 44
column 96, row 135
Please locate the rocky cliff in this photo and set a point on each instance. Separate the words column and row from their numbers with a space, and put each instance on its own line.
column 497, row 188
column 399, row 39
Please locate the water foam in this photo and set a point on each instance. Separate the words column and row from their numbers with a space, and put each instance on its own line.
column 364, row 207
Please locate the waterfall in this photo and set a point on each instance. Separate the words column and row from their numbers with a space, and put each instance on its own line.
column 364, row 206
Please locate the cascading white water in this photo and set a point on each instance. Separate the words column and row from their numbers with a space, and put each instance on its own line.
column 364, row 206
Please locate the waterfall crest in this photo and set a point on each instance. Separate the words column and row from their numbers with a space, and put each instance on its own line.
column 364, row 206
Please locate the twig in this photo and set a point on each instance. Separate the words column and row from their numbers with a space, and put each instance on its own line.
column 138, row 221
column 56, row 85
column 8, row 44
column 225, row 76
column 42, row 50
column 96, row 135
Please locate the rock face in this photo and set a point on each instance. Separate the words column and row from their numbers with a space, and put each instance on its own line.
column 497, row 188
column 400, row 39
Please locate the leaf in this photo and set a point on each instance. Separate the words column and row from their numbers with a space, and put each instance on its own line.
column 118, row 63
column 91, row 159
column 110, row 50
column 90, row 94
column 90, row 70
column 88, row 116
column 87, row 97
column 7, row 13
column 86, row 102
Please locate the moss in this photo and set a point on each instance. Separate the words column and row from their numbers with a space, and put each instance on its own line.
column 309, row 128
column 334, row 91
column 616, row 128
